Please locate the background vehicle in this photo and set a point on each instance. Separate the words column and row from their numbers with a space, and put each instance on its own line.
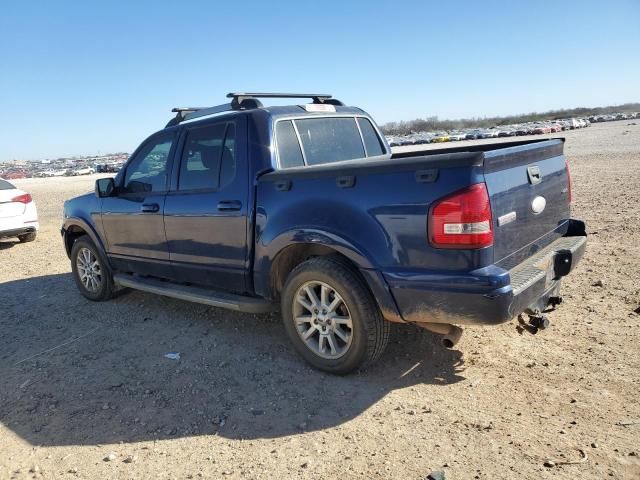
column 541, row 129
column 455, row 136
column 506, row 132
column 83, row 171
column 323, row 220
column 18, row 214
column 473, row 135
column 573, row 123
column 440, row 138
column 492, row 133
column 523, row 130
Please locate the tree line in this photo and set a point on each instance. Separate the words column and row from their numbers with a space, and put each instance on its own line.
column 434, row 124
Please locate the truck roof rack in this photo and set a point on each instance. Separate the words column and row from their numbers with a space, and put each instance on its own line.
column 244, row 101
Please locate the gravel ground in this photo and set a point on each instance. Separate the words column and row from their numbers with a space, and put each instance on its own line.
column 85, row 391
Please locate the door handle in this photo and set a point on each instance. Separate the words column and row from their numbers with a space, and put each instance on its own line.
column 149, row 208
column 229, row 205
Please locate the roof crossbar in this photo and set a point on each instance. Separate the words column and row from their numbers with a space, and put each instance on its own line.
column 238, row 98
column 244, row 101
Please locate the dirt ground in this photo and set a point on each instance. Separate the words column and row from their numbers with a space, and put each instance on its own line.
column 81, row 381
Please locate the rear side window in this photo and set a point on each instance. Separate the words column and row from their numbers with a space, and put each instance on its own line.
column 372, row 141
column 208, row 159
column 289, row 151
column 4, row 185
column 328, row 140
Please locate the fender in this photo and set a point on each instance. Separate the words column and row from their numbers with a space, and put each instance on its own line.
column 267, row 253
column 88, row 228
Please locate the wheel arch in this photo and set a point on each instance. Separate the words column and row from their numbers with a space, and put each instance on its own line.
column 293, row 255
column 74, row 228
column 273, row 269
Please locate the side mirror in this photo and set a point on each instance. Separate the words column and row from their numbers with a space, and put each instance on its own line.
column 105, row 187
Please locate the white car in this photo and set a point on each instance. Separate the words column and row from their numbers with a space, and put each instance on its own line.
column 83, row 171
column 455, row 136
column 18, row 214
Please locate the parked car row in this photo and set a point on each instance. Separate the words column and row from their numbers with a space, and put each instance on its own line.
column 614, row 116
column 62, row 167
column 67, row 172
column 531, row 128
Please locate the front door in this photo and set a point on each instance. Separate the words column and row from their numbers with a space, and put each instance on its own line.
column 206, row 215
column 132, row 218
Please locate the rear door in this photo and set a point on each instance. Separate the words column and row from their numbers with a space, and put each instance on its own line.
column 132, row 219
column 205, row 214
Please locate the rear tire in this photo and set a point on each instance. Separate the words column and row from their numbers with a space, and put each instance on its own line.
column 90, row 271
column 27, row 237
column 325, row 297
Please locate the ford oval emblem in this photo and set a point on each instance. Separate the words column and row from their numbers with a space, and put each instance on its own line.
column 538, row 204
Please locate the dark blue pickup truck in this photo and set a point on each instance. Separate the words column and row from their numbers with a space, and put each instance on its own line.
column 304, row 208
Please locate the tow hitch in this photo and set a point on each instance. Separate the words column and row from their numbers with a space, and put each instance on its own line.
column 554, row 302
column 537, row 321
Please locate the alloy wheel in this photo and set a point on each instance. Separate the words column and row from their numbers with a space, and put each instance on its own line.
column 89, row 270
column 322, row 320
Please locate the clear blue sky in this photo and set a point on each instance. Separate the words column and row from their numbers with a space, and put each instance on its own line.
column 88, row 77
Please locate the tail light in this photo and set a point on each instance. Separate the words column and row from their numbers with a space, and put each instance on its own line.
column 462, row 220
column 24, row 198
column 566, row 163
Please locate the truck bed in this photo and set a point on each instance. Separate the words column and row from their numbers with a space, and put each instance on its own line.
column 378, row 212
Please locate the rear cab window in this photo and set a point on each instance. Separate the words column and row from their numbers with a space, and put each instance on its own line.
column 322, row 140
column 372, row 141
column 288, row 147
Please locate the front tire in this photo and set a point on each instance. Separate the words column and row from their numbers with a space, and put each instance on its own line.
column 27, row 237
column 331, row 317
column 90, row 272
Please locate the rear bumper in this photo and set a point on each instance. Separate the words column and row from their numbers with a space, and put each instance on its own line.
column 15, row 232
column 489, row 295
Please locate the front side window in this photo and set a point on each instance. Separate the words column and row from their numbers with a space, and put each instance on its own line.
column 208, row 159
column 148, row 171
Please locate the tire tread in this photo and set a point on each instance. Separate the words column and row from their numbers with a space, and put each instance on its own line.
column 378, row 329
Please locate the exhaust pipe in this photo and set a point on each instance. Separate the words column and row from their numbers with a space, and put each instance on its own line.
column 451, row 333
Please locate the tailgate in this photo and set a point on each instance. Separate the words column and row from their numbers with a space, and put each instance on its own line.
column 529, row 190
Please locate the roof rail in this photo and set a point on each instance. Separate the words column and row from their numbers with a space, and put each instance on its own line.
column 244, row 101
